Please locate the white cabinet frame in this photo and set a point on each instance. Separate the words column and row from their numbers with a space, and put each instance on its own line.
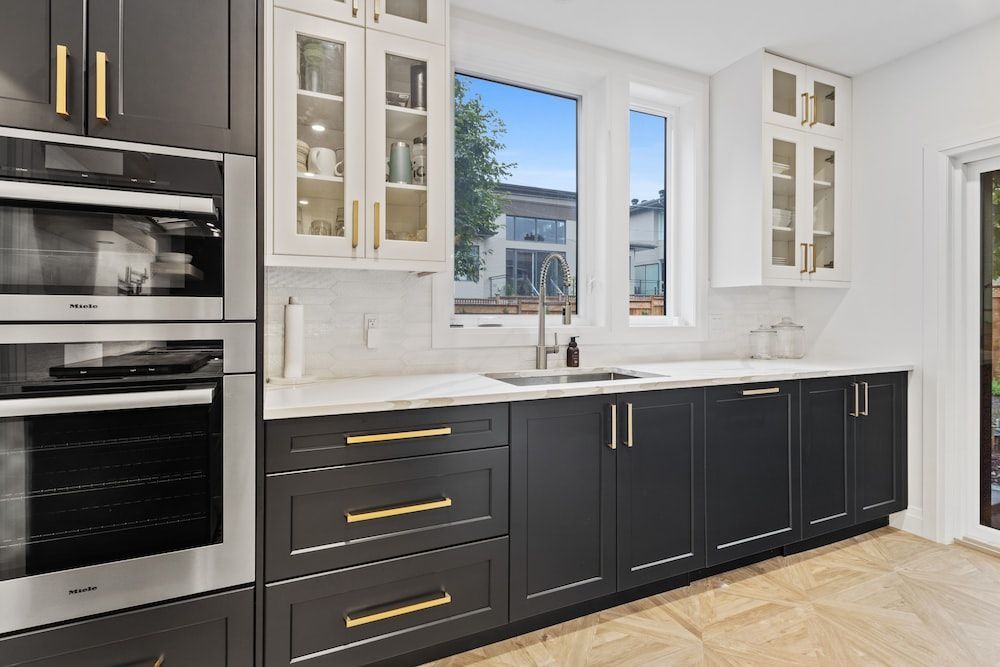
column 432, row 30
column 347, row 11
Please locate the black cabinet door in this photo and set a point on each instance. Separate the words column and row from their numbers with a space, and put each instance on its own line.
column 752, row 469
column 661, row 485
column 828, row 423
column 880, row 436
column 178, row 73
column 562, row 503
column 42, row 86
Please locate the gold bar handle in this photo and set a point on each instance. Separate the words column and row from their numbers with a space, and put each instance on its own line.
column 628, row 419
column 378, row 225
column 354, row 9
column 62, row 80
column 805, row 108
column 101, row 87
column 805, row 258
column 761, row 392
column 857, row 400
column 864, row 413
column 353, row 517
column 813, row 121
column 162, row 660
column 378, row 10
column 401, row 435
column 614, row 426
column 354, row 226
column 399, row 611
column 812, row 247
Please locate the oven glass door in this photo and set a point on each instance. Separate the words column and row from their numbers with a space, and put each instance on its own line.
column 70, row 248
column 97, row 477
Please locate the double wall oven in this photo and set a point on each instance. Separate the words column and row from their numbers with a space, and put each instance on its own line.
column 127, row 440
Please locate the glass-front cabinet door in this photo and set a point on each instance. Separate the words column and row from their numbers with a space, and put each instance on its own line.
column 319, row 128
column 829, row 98
column 350, row 11
column 785, row 97
column 785, row 193
column 406, row 128
column 828, row 204
column 420, row 19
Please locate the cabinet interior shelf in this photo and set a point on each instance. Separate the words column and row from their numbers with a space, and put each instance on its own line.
column 321, row 187
column 821, row 232
column 326, row 97
column 406, row 124
column 784, row 177
column 822, row 184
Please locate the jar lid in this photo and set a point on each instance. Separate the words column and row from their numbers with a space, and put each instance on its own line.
column 763, row 329
column 787, row 323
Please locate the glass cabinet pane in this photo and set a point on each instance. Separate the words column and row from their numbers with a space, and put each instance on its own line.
column 783, row 178
column 825, row 104
column 824, row 189
column 784, row 95
column 406, row 156
column 320, row 137
column 412, row 10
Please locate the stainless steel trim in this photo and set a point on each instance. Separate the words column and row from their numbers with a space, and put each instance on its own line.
column 864, row 413
column 51, row 307
column 755, row 537
column 112, row 144
column 64, row 405
column 238, row 338
column 761, row 392
column 241, row 237
column 49, row 598
column 71, row 194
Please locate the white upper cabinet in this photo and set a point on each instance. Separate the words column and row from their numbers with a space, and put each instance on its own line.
column 359, row 123
column 780, row 179
column 419, row 19
column 348, row 11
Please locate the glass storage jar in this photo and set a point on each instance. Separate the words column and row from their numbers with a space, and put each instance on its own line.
column 762, row 343
column 790, row 339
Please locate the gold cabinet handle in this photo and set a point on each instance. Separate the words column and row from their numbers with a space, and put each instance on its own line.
column 160, row 661
column 378, row 225
column 354, row 9
column 805, row 258
column 401, row 435
column 354, row 226
column 813, row 121
column 761, row 392
column 101, row 87
column 62, row 80
column 864, row 413
column 385, row 512
column 628, row 422
column 352, row 622
column 614, row 426
column 857, row 400
column 812, row 247
column 805, row 108
column 378, row 10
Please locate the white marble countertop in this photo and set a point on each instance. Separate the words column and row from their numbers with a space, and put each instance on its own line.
column 407, row 392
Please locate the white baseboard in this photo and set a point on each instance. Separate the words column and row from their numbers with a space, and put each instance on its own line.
column 911, row 520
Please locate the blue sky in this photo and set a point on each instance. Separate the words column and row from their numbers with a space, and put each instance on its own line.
column 541, row 139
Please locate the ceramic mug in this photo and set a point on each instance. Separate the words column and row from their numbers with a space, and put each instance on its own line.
column 323, row 161
column 338, row 168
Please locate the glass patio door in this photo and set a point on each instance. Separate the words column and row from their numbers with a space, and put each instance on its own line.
column 989, row 460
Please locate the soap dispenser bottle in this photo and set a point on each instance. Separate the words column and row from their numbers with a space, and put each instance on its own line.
column 572, row 353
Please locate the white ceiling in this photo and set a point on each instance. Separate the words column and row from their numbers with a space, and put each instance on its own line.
column 846, row 36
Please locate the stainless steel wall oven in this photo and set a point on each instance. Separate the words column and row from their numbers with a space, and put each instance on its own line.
column 96, row 230
column 126, row 466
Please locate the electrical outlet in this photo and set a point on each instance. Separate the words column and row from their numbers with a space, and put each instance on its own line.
column 371, row 322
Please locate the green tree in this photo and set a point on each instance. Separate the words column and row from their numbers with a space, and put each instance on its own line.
column 478, row 173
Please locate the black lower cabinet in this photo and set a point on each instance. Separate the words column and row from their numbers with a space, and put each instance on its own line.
column 880, row 445
column 376, row 612
column 828, row 477
column 661, row 485
column 752, row 469
column 562, row 503
column 213, row 631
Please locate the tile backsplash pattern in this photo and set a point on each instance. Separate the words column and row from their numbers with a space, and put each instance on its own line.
column 336, row 302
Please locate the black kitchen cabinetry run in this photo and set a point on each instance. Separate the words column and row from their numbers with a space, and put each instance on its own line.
column 752, row 469
column 211, row 631
column 880, row 446
column 179, row 73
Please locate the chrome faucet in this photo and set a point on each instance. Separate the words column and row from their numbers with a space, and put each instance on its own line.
column 542, row 351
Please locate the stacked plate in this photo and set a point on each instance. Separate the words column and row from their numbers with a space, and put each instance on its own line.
column 301, row 155
column 782, row 217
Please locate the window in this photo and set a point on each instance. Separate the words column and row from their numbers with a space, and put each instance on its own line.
column 515, row 195
column 647, row 219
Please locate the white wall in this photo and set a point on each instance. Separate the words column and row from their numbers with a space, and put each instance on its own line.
column 943, row 92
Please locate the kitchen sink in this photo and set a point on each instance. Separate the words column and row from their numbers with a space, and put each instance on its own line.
column 565, row 376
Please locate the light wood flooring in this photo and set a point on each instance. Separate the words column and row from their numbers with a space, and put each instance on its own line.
column 886, row 597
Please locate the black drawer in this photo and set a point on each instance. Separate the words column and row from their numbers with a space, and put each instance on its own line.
column 336, row 517
column 213, row 631
column 315, row 442
column 373, row 612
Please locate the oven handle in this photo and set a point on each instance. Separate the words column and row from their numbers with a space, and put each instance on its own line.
column 60, row 405
column 69, row 194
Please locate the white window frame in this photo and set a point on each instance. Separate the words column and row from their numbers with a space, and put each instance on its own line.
column 608, row 85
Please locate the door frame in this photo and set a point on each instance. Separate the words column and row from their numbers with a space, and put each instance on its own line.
column 951, row 339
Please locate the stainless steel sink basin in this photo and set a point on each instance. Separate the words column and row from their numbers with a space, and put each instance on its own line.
column 566, row 376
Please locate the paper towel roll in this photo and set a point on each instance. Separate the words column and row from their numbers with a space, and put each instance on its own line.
column 295, row 354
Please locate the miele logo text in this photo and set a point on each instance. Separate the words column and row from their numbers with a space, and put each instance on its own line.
column 83, row 305
column 77, row 591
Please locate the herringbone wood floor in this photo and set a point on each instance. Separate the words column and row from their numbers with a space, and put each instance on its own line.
column 886, row 597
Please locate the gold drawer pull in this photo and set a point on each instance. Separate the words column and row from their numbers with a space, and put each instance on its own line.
column 402, row 435
column 761, row 392
column 101, row 87
column 400, row 611
column 396, row 511
column 62, row 80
